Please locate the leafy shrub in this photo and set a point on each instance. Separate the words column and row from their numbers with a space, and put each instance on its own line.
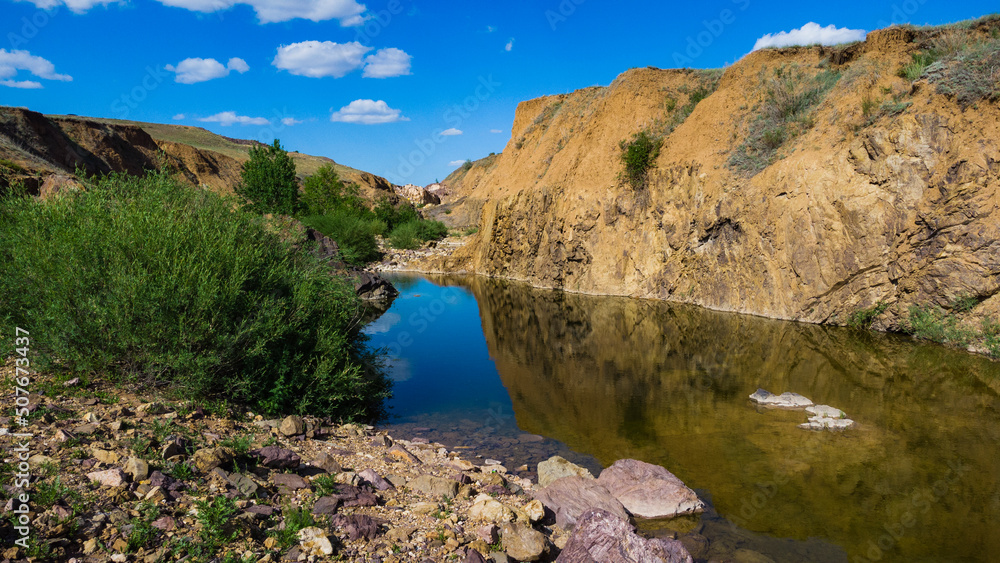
column 354, row 234
column 394, row 215
column 153, row 282
column 935, row 324
column 405, row 236
column 638, row 156
column 789, row 97
column 864, row 318
column 268, row 183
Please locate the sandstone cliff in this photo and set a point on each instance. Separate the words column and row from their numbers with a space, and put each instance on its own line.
column 884, row 191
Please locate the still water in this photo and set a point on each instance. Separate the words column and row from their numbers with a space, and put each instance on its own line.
column 596, row 379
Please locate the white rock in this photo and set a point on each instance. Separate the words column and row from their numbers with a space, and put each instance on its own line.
column 823, row 423
column 314, row 542
column 785, row 400
column 826, row 411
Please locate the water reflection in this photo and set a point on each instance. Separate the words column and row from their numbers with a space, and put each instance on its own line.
column 917, row 480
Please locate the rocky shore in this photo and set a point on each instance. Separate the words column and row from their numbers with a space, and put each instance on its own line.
column 123, row 477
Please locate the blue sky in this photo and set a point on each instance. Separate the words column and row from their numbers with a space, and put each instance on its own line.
column 404, row 89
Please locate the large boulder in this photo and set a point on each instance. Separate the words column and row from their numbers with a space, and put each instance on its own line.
column 557, row 467
column 649, row 491
column 570, row 497
column 602, row 537
column 434, row 486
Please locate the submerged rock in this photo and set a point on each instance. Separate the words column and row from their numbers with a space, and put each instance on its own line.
column 825, row 423
column 785, row 400
column 649, row 491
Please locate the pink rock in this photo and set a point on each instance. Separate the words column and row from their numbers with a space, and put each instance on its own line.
column 108, row 478
column 649, row 491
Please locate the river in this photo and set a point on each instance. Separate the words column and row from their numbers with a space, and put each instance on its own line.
column 519, row 373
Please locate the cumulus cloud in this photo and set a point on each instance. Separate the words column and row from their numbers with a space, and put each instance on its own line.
column 386, row 63
column 456, row 163
column 451, row 131
column 509, row 45
column 75, row 6
column 495, row 131
column 318, row 59
column 194, row 70
column 348, row 12
column 368, row 112
column 290, row 121
column 810, row 34
column 179, row 117
column 11, row 62
column 227, row 118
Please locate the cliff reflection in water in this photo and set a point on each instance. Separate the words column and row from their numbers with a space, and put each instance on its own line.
column 617, row 377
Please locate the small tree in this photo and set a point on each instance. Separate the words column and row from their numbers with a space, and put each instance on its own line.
column 324, row 192
column 268, row 181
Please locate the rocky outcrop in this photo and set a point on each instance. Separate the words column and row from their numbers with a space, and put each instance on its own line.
column 900, row 208
column 367, row 285
column 417, row 195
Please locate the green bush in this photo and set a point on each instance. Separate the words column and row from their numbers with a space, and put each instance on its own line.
column 864, row 318
column 405, row 236
column 971, row 75
column 153, row 282
column 394, row 215
column 268, row 183
column 324, row 192
column 355, row 234
column 919, row 61
column 638, row 156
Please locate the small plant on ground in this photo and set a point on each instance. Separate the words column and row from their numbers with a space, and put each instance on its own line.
column 143, row 532
column 864, row 318
column 295, row 519
column 216, row 519
column 325, row 485
column 239, row 444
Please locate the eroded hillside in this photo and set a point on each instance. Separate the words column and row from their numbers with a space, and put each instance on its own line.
column 44, row 152
column 807, row 183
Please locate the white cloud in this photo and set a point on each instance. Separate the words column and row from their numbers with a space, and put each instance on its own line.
column 23, row 84
column 179, row 117
column 368, row 112
column 496, row 131
column 509, row 45
column 237, row 64
column 194, row 70
column 490, row 29
column 228, row 118
column 75, row 6
column 810, row 34
column 348, row 12
column 451, row 131
column 456, row 163
column 317, row 59
column 290, row 121
column 13, row 61
column 386, row 63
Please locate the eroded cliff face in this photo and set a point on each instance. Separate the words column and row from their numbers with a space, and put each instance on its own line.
column 859, row 208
